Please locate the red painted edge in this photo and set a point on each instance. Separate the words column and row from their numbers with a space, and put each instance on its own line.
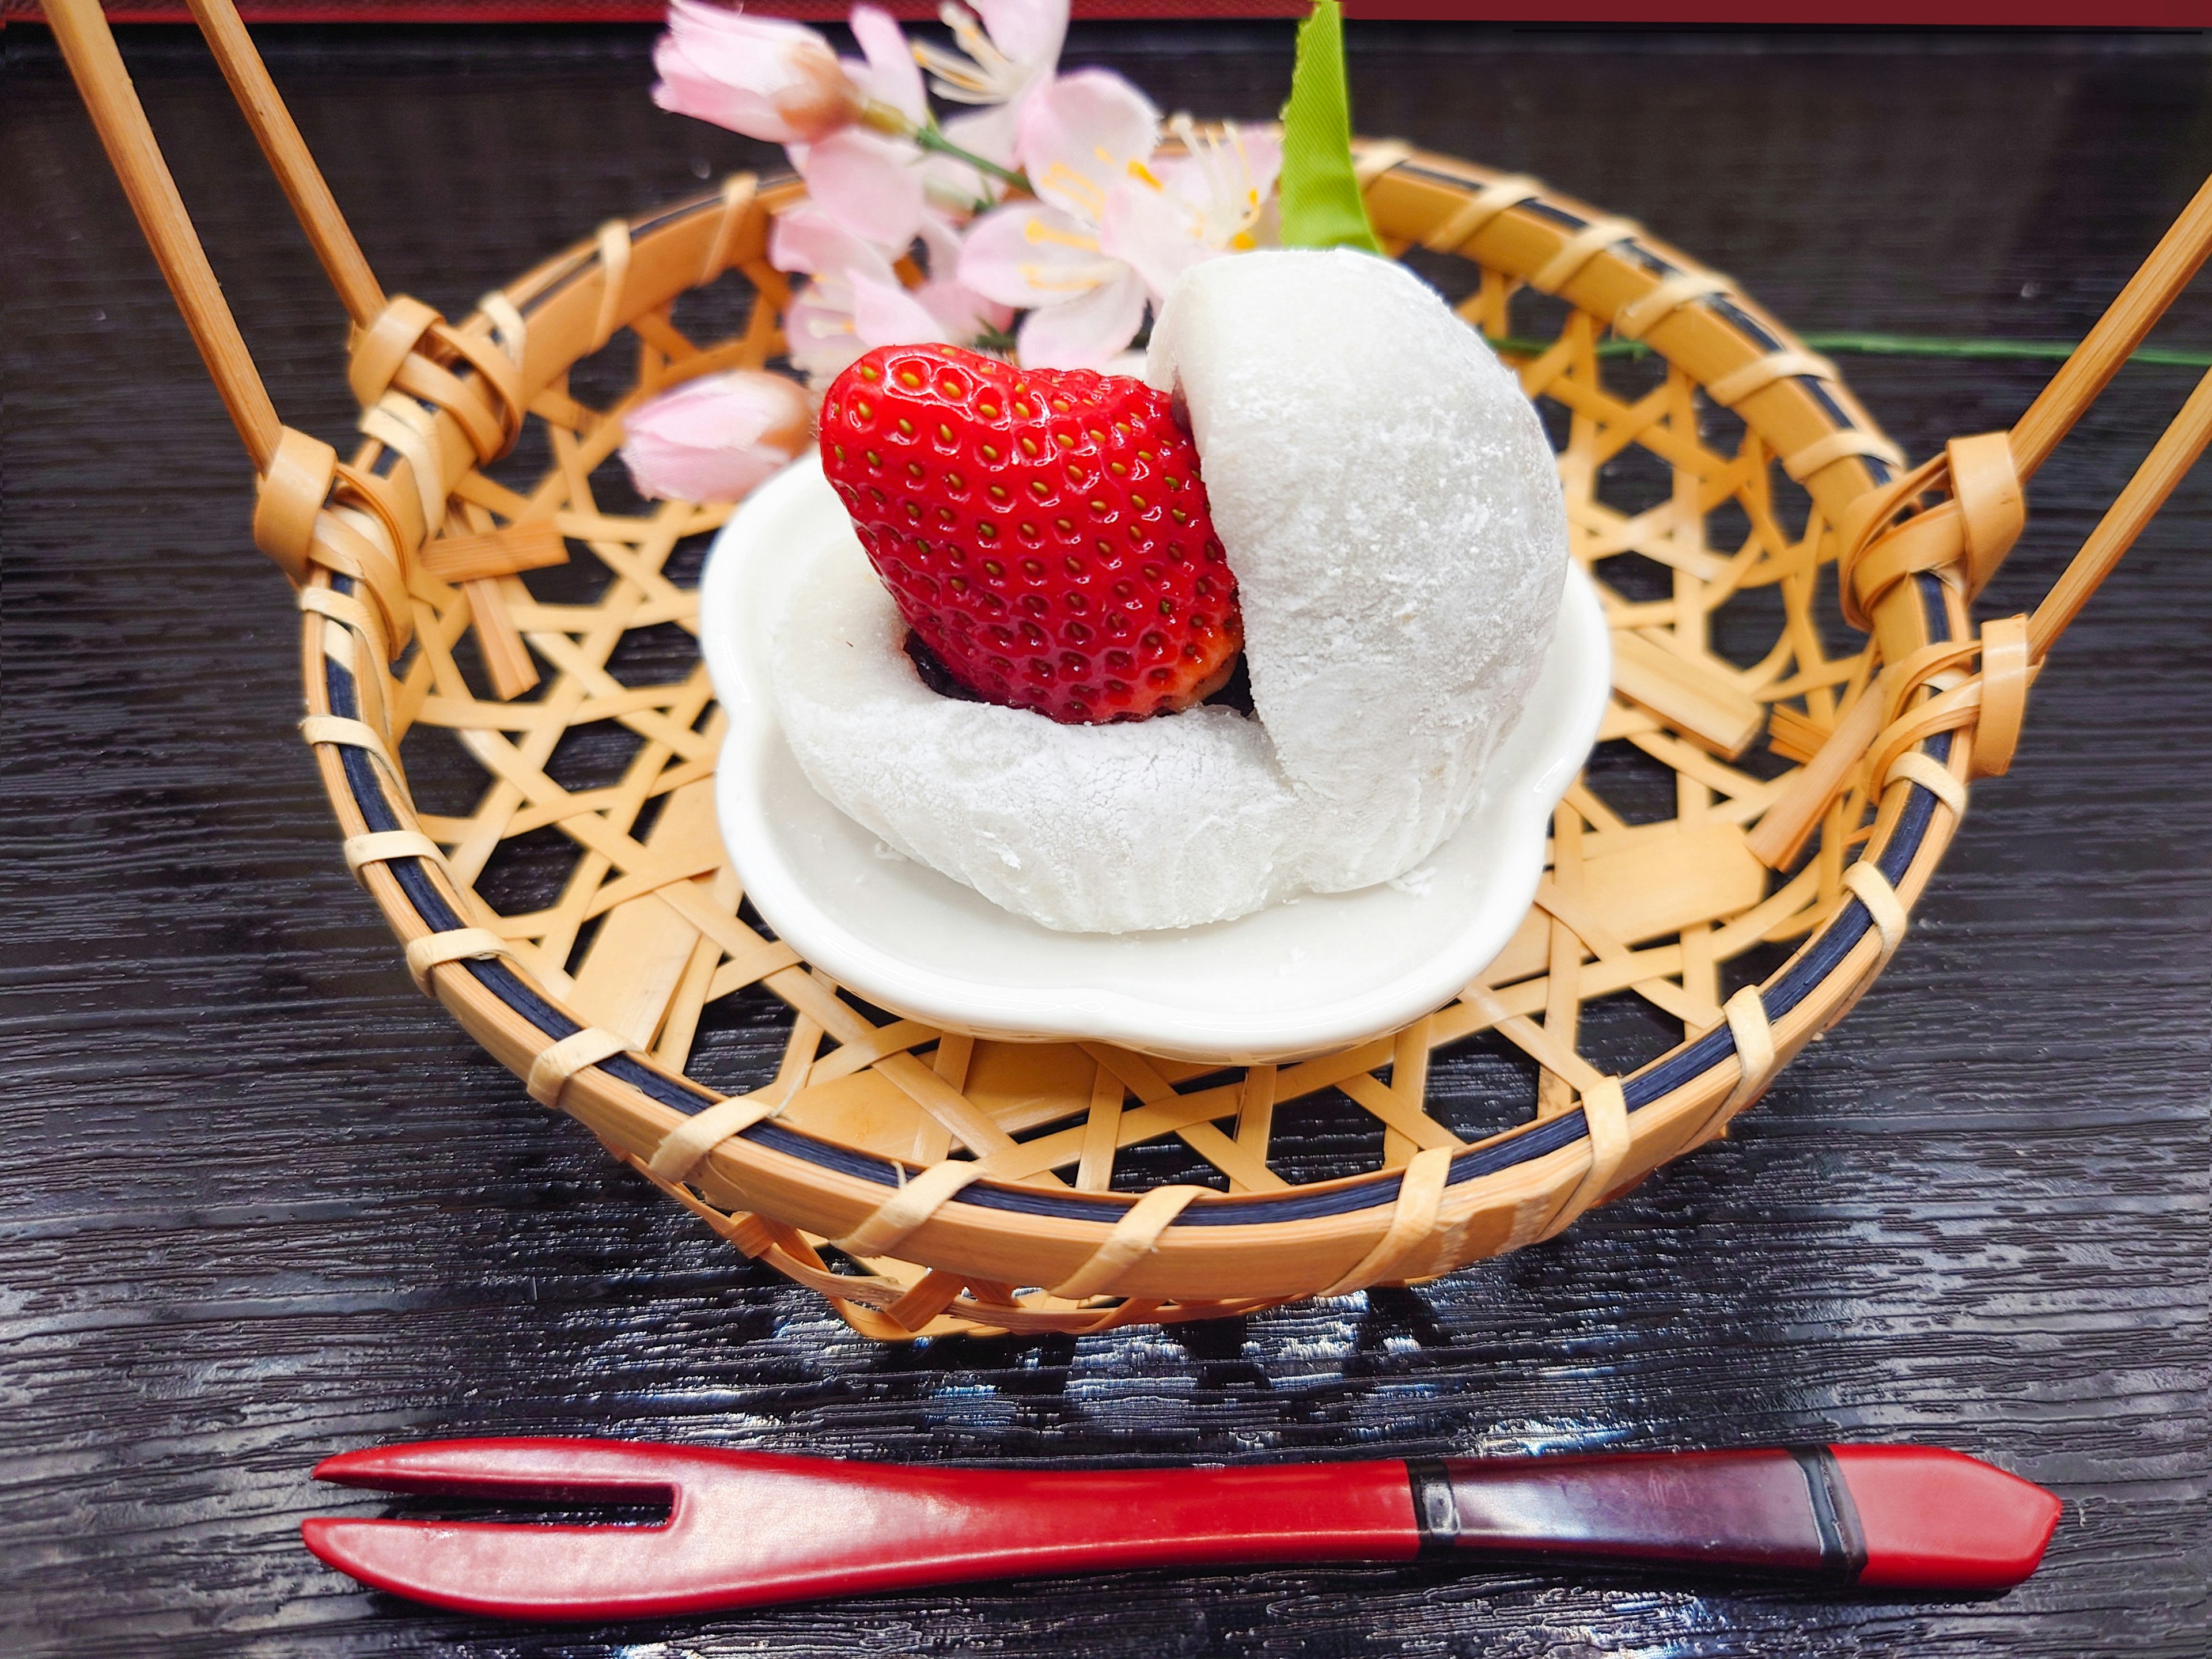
column 843, row 1529
column 1938, row 1520
column 1882, row 13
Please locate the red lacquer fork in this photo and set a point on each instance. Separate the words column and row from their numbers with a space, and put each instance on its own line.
column 747, row 1529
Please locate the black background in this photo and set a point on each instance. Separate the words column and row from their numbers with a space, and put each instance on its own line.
column 262, row 1203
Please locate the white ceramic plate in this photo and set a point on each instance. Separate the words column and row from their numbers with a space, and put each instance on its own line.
column 1301, row 977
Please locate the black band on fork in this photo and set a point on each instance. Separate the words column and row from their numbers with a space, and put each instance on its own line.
column 1843, row 1543
column 1436, row 1507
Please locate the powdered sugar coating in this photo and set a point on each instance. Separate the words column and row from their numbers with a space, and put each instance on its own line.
column 1087, row 829
column 1392, row 514
column 1392, row 511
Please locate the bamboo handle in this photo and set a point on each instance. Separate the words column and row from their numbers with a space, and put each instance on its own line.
column 2169, row 269
column 312, row 204
column 2176, row 451
column 88, row 47
column 2179, row 254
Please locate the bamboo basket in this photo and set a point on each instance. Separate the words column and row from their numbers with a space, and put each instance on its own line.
column 928, row 1183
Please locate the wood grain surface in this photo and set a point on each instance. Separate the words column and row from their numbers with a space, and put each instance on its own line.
column 263, row 1203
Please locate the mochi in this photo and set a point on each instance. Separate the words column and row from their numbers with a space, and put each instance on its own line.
column 1164, row 823
column 1392, row 512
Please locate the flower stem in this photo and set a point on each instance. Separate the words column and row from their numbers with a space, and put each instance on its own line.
column 1915, row 345
column 927, row 135
column 1897, row 345
column 932, row 138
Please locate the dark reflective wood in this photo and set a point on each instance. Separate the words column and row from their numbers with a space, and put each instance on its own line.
column 263, row 1203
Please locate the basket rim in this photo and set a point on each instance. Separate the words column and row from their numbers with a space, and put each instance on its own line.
column 1807, row 969
column 1907, row 840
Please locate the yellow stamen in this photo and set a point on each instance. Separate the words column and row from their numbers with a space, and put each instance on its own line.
column 1037, row 231
column 1054, row 282
column 1063, row 178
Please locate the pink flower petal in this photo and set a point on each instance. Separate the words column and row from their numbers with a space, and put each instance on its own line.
column 883, row 313
column 1154, row 232
column 684, row 89
column 1085, row 332
column 964, row 312
column 1025, row 255
column 714, row 438
column 761, row 76
column 1228, row 183
column 1183, row 209
column 807, row 239
column 988, row 133
column 892, row 74
column 868, row 184
column 736, row 30
column 740, row 407
column 818, row 334
column 672, row 472
column 1031, row 32
column 960, row 311
column 940, row 240
column 1078, row 136
column 1263, row 156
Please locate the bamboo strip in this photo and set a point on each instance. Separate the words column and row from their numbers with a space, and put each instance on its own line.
column 1646, row 909
column 82, row 34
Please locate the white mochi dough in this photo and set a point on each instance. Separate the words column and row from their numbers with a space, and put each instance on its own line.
column 1163, row 823
column 1391, row 509
column 1392, row 512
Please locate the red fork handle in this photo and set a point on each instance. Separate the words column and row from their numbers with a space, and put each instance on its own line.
column 1886, row 1516
column 748, row 1528
column 752, row 1528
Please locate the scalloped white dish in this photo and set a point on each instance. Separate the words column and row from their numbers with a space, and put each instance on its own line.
column 1298, row 978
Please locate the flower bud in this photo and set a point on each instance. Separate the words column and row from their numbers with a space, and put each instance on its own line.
column 715, row 437
column 819, row 98
column 762, row 76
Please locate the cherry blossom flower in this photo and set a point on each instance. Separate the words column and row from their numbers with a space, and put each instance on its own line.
column 853, row 299
column 1110, row 228
column 1215, row 198
column 1013, row 50
column 888, row 72
column 761, row 76
column 871, row 181
column 859, row 130
column 964, row 312
column 848, row 126
column 1113, row 224
column 714, row 438
column 1077, row 137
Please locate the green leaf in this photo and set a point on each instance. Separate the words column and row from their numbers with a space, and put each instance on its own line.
column 1322, row 206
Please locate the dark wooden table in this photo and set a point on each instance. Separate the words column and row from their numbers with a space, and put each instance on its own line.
column 263, row 1203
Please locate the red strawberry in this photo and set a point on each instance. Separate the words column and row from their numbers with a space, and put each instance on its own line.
column 1043, row 530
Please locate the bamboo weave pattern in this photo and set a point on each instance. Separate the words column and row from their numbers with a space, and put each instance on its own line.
column 980, row 1186
column 1651, row 909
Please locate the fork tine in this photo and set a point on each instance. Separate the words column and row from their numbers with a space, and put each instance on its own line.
column 514, row 1571
column 523, row 1570
column 524, row 1467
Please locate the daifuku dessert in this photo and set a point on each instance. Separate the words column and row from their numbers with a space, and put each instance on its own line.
column 1326, row 466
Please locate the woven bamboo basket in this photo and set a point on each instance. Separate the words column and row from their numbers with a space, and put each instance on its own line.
column 926, row 1182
